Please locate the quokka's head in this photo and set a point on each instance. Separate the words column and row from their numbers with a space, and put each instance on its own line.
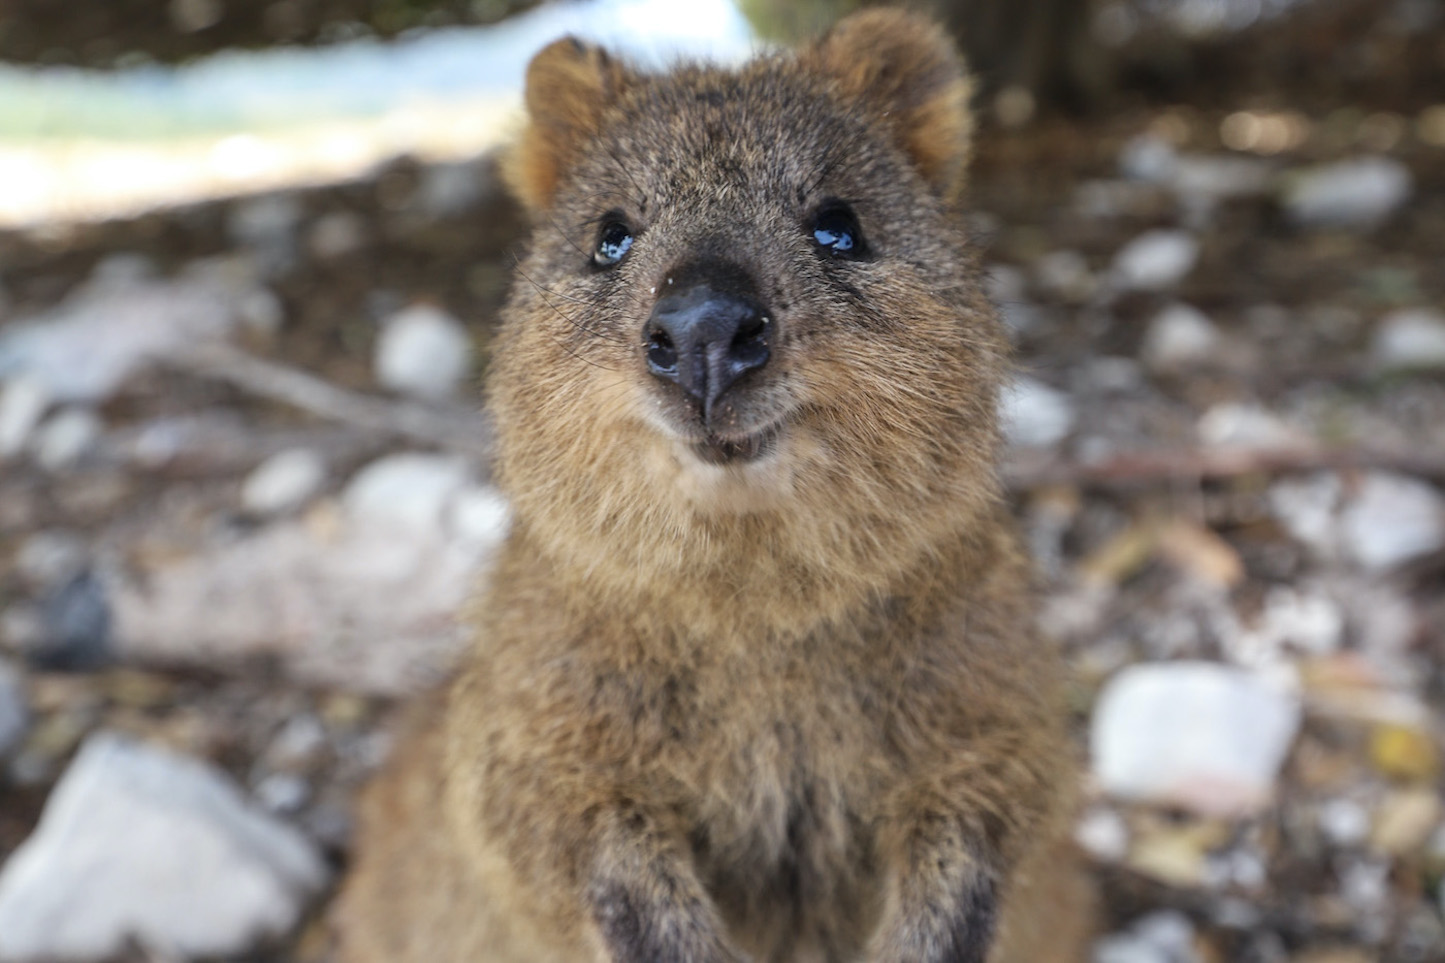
column 747, row 292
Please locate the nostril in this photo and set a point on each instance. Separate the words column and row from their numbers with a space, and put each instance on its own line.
column 661, row 352
column 749, row 347
column 751, row 330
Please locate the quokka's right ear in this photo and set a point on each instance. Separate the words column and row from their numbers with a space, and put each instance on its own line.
column 569, row 85
column 908, row 69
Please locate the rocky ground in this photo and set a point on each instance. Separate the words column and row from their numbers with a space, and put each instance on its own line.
column 236, row 525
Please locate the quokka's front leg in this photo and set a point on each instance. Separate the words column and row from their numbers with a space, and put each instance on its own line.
column 952, row 845
column 645, row 899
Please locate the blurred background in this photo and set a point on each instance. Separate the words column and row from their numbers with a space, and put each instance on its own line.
column 251, row 257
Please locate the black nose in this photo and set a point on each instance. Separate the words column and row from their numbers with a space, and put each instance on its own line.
column 705, row 341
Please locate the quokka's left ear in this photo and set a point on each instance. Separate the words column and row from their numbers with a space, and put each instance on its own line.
column 908, row 68
column 569, row 85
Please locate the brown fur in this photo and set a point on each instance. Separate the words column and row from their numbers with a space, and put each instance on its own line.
column 787, row 709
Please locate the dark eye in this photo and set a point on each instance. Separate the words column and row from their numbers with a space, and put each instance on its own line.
column 612, row 244
column 835, row 231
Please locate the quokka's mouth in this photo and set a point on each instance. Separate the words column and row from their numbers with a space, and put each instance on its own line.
column 734, row 451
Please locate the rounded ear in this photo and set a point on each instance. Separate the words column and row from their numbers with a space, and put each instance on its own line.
column 908, row 68
column 569, row 85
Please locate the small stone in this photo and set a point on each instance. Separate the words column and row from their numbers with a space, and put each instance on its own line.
column 14, row 713
column 1392, row 519
column 1178, row 337
column 449, row 190
column 76, row 626
column 1306, row 507
column 1201, row 180
column 423, row 351
column 298, row 743
column 1201, row 736
column 1302, row 619
column 480, row 515
column 137, row 843
column 283, row 482
column 1113, row 374
column 1065, row 274
column 1404, row 752
column 1034, row 415
column 261, row 313
column 336, row 234
column 1156, row 260
column 1244, row 425
column 1103, row 834
column 67, row 437
column 282, row 792
column 1357, row 193
column 1405, row 821
column 1166, row 936
column 1005, row 282
column 412, row 491
column 266, row 224
column 1344, row 822
column 1410, row 339
column 1366, row 885
column 23, row 402
column 1148, row 157
column 49, row 558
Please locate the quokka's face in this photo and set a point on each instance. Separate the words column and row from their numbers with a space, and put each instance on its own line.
column 753, row 274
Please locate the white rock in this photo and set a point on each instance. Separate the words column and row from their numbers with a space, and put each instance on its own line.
column 283, row 482
column 1148, row 157
column 1035, row 415
column 1166, row 936
column 1234, row 424
column 409, row 491
column 139, row 843
column 1156, row 260
column 23, row 402
column 1179, row 336
column 370, row 603
column 1392, row 519
column 1103, row 834
column 423, row 351
column 1306, row 508
column 261, row 312
column 84, row 348
column 1344, row 821
column 14, row 714
column 480, row 515
column 1410, row 339
column 1124, row 948
column 1353, row 193
column 1306, row 619
column 1201, row 736
column 1209, row 178
column 283, row 792
column 67, row 437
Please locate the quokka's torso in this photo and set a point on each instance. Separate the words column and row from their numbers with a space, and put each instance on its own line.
column 754, row 677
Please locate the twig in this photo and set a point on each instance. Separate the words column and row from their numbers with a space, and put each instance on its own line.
column 1142, row 468
column 450, row 427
